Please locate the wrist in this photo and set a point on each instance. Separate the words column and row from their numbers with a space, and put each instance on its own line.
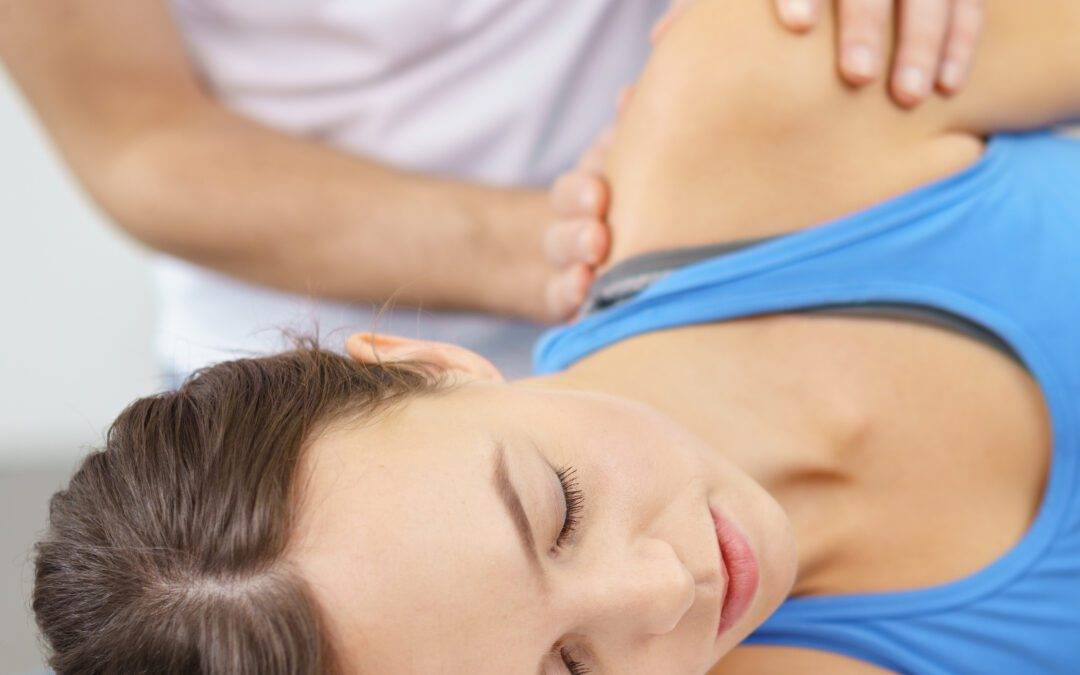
column 511, row 272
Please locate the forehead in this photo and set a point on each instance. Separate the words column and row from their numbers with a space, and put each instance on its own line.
column 409, row 549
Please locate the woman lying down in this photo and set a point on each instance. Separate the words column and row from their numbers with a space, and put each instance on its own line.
column 807, row 425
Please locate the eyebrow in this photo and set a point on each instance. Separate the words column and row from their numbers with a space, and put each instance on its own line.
column 510, row 498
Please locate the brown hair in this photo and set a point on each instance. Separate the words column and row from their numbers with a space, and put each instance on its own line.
column 165, row 552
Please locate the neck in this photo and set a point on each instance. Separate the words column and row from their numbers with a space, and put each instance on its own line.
column 795, row 432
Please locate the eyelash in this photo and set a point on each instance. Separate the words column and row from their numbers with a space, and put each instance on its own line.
column 575, row 502
column 573, row 666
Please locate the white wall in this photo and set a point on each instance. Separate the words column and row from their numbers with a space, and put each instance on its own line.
column 75, row 304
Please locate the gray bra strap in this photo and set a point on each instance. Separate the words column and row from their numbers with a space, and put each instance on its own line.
column 624, row 281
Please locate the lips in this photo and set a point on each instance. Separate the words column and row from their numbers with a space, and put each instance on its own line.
column 739, row 565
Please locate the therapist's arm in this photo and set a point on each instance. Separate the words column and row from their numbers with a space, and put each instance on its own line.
column 112, row 84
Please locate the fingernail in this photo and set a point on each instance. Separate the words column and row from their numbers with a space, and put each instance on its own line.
column 861, row 61
column 797, row 12
column 913, row 82
column 952, row 75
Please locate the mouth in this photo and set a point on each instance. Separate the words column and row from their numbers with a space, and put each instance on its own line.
column 740, row 568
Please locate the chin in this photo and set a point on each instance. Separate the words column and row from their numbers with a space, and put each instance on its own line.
column 779, row 564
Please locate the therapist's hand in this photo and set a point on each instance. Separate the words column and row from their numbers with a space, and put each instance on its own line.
column 577, row 240
column 937, row 41
column 936, row 46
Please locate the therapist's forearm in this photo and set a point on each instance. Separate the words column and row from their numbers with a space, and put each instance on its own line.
column 291, row 213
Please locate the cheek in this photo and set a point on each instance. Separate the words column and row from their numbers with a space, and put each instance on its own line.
column 645, row 462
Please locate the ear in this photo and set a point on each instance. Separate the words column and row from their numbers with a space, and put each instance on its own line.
column 373, row 348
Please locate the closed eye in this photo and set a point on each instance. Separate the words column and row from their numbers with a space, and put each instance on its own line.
column 575, row 502
column 573, row 666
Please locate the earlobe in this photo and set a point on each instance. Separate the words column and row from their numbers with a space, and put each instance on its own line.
column 378, row 348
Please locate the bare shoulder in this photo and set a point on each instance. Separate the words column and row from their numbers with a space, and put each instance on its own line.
column 740, row 129
column 758, row 660
column 1027, row 72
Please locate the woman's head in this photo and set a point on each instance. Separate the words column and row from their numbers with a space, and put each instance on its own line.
column 307, row 513
column 166, row 551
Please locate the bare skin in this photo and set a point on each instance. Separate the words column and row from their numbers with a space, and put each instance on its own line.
column 775, row 121
column 936, row 46
column 831, row 151
column 817, row 411
column 937, row 43
column 182, row 174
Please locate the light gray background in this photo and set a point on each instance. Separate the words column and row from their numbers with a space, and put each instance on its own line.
column 76, row 313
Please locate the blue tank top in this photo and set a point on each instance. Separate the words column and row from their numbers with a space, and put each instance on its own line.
column 997, row 244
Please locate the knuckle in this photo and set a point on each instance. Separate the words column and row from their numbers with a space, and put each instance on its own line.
column 924, row 35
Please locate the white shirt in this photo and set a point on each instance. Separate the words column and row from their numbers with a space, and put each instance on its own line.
column 507, row 92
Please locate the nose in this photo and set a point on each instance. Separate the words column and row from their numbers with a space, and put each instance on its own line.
column 646, row 592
